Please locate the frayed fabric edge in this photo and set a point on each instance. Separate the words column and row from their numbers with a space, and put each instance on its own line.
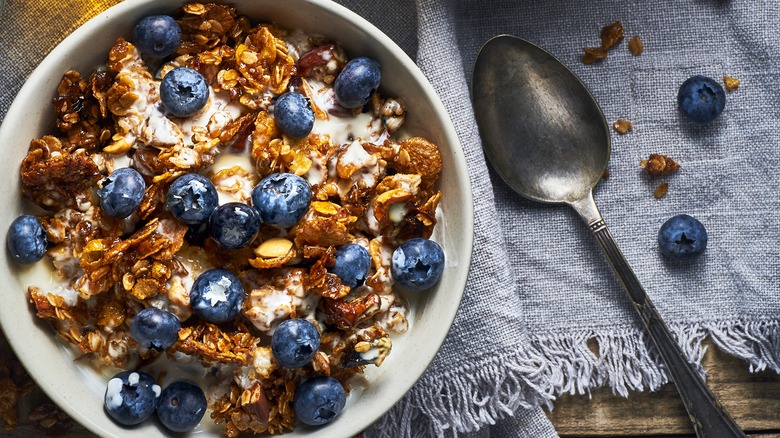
column 479, row 395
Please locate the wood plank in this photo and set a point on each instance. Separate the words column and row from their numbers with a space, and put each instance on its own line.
column 752, row 399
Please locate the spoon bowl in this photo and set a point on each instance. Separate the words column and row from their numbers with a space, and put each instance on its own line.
column 546, row 136
column 566, row 135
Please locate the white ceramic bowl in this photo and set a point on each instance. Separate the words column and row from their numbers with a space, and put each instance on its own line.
column 77, row 388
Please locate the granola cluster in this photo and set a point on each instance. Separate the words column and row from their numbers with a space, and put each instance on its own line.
column 657, row 165
column 370, row 187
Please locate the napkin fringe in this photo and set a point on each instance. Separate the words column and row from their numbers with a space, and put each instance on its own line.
column 623, row 360
column 626, row 360
column 756, row 341
column 475, row 396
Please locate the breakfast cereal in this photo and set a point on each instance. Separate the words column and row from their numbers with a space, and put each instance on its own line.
column 371, row 185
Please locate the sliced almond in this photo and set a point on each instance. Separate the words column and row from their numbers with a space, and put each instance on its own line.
column 274, row 248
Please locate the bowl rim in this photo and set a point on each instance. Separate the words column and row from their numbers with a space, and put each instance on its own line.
column 447, row 315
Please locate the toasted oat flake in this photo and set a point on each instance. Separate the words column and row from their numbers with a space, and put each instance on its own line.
column 635, row 45
column 661, row 190
column 622, row 126
column 611, row 35
column 593, row 54
column 731, row 83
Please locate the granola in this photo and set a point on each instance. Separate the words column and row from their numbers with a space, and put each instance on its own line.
column 372, row 185
column 622, row 126
column 610, row 36
column 635, row 45
column 50, row 419
column 661, row 190
column 731, row 83
column 658, row 164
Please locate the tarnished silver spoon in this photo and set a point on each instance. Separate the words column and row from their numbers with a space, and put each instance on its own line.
column 547, row 138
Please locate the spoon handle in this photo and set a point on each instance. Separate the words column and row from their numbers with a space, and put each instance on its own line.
column 709, row 418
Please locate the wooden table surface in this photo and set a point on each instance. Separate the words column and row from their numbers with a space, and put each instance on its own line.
column 753, row 400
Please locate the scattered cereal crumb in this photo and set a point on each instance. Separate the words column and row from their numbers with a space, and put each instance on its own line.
column 14, row 383
column 661, row 190
column 593, row 54
column 611, row 35
column 8, row 401
column 622, row 126
column 635, row 45
column 605, row 175
column 657, row 165
column 731, row 83
column 50, row 419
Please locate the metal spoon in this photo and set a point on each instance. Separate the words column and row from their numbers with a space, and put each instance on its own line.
column 547, row 138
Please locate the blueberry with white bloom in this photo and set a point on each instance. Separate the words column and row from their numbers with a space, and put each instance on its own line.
column 181, row 406
column 131, row 397
column 682, row 237
column 217, row 296
column 184, row 91
column 294, row 115
column 352, row 264
column 26, row 239
column 281, row 199
column 157, row 36
column 319, row 400
column 357, row 82
column 155, row 328
column 192, row 198
column 122, row 192
column 417, row 264
column 234, row 225
column 295, row 342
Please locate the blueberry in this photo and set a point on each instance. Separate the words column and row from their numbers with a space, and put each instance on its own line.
column 417, row 264
column 234, row 225
column 131, row 397
column 357, row 82
column 294, row 115
column 181, row 406
column 155, row 328
column 319, row 400
column 682, row 237
column 157, row 36
column 295, row 342
column 701, row 98
column 217, row 296
column 184, row 92
column 122, row 192
column 191, row 198
column 281, row 199
column 352, row 264
column 26, row 239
